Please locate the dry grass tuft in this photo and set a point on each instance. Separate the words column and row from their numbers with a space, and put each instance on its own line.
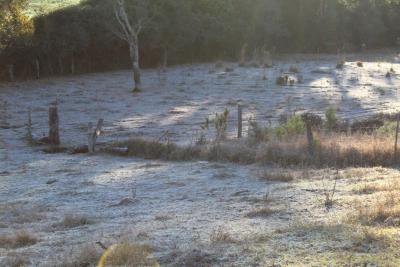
column 352, row 173
column 261, row 212
column 220, row 236
column 195, row 258
column 16, row 260
column 72, row 221
column 87, row 256
column 385, row 211
column 151, row 149
column 162, row 218
column 18, row 240
column 276, row 177
column 368, row 236
column 368, row 189
column 17, row 213
column 131, row 255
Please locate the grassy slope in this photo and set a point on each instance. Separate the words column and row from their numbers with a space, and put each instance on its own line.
column 39, row 6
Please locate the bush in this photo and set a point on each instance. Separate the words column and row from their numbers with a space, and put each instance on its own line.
column 294, row 126
column 331, row 119
column 282, row 80
column 388, row 129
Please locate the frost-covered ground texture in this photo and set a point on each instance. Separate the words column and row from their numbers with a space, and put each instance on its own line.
column 193, row 213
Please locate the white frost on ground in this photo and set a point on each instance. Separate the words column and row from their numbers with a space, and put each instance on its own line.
column 177, row 205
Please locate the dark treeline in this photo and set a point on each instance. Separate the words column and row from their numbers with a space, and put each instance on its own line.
column 84, row 38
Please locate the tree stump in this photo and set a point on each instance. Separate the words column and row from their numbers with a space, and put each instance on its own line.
column 54, row 136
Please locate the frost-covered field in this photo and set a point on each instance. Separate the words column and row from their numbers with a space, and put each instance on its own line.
column 195, row 211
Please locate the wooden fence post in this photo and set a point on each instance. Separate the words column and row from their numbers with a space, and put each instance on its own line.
column 4, row 115
column 348, row 125
column 54, row 136
column 29, row 127
column 396, row 138
column 240, row 121
column 92, row 135
column 310, row 138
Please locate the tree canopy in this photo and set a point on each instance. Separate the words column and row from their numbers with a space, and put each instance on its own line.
column 192, row 30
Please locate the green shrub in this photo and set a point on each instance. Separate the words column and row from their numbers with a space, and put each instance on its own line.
column 331, row 119
column 294, row 126
column 388, row 128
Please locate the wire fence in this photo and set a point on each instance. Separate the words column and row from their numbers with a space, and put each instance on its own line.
column 188, row 130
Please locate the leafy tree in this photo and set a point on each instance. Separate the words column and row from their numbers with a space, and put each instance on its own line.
column 15, row 32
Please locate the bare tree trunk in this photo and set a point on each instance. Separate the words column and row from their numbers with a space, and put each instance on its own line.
column 130, row 33
column 50, row 68
column 165, row 59
column 72, row 64
column 60, row 65
column 242, row 60
column 134, row 51
column 11, row 73
column 37, row 68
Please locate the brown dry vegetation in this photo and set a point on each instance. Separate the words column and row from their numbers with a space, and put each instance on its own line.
column 130, row 255
column 88, row 255
column 276, row 176
column 72, row 221
column 371, row 188
column 383, row 211
column 221, row 236
column 16, row 260
column 334, row 150
column 261, row 212
column 17, row 240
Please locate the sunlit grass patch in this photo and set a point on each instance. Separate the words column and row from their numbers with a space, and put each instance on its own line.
column 385, row 210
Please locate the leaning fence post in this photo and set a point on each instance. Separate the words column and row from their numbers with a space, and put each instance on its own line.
column 397, row 137
column 54, row 136
column 92, row 135
column 240, row 122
